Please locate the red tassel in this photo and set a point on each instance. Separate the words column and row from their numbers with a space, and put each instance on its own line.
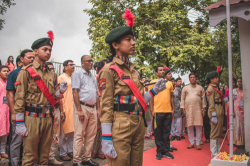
column 129, row 18
column 51, row 35
column 218, row 69
column 165, row 67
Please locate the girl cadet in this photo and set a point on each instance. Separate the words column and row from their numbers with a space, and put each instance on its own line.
column 215, row 111
column 123, row 103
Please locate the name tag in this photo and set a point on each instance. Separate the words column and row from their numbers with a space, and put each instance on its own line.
column 241, row 103
column 225, row 99
column 4, row 100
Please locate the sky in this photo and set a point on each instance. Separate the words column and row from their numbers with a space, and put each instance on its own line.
column 31, row 19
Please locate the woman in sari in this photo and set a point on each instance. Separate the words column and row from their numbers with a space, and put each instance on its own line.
column 239, row 115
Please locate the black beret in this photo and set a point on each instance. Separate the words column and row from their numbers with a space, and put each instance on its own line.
column 41, row 42
column 117, row 33
column 212, row 74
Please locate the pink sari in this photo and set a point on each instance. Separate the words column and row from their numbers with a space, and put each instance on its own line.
column 239, row 119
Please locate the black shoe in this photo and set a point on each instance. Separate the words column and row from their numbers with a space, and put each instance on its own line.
column 172, row 138
column 78, row 164
column 90, row 162
column 158, row 156
column 173, row 148
column 178, row 138
column 168, row 155
column 207, row 141
column 170, row 150
column 182, row 137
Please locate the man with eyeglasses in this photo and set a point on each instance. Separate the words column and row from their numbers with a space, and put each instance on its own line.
column 193, row 106
column 86, row 110
column 66, row 135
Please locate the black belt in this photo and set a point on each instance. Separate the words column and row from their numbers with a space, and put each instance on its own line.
column 124, row 107
column 38, row 109
column 216, row 102
column 82, row 103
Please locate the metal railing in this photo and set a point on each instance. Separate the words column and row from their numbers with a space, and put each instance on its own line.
column 59, row 68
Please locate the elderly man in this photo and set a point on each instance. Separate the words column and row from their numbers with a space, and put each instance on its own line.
column 86, row 101
column 193, row 106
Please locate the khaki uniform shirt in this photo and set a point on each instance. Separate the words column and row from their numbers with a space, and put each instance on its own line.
column 28, row 92
column 110, row 85
column 212, row 95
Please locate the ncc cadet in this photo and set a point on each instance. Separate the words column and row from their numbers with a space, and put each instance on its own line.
column 215, row 111
column 123, row 103
column 36, row 95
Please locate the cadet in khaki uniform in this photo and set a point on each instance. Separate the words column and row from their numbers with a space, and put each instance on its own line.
column 215, row 112
column 33, row 110
column 121, row 116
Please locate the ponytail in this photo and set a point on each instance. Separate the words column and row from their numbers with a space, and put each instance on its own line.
column 112, row 50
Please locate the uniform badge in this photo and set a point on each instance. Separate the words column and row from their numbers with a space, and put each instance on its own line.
column 209, row 93
column 102, row 84
column 17, row 83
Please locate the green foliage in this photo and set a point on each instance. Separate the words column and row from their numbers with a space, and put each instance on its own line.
column 4, row 5
column 164, row 35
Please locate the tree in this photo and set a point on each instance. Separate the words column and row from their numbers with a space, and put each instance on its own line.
column 164, row 35
column 4, row 4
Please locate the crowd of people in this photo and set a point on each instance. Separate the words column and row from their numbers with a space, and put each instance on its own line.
column 104, row 115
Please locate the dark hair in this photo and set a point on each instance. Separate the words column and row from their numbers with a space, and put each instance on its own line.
column 65, row 63
column 18, row 59
column 146, row 81
column 177, row 79
column 24, row 52
column 191, row 74
column 3, row 66
column 239, row 78
column 100, row 65
column 156, row 69
column 234, row 80
column 196, row 75
column 208, row 81
column 49, row 63
column 172, row 79
column 112, row 49
column 8, row 60
column 95, row 65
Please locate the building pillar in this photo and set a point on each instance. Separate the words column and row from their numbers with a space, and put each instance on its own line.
column 244, row 31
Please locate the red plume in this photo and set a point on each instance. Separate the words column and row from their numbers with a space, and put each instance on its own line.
column 165, row 67
column 129, row 18
column 51, row 35
column 218, row 69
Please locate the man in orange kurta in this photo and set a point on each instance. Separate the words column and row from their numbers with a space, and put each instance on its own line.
column 67, row 126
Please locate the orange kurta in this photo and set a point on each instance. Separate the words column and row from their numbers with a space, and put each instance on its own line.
column 68, row 105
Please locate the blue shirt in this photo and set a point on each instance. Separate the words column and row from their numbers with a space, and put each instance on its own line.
column 12, row 79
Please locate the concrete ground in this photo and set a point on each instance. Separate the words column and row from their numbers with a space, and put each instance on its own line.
column 148, row 144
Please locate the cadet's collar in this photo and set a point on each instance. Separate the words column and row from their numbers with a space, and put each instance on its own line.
column 214, row 85
column 38, row 65
column 120, row 62
column 123, row 59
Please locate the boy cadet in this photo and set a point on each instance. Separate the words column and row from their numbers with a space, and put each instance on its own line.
column 35, row 98
column 215, row 111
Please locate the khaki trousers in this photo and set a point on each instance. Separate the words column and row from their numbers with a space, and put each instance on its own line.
column 85, row 132
column 56, row 124
column 128, row 139
column 36, row 146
